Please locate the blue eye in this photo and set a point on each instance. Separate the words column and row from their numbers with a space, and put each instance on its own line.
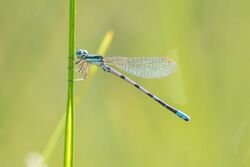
column 80, row 53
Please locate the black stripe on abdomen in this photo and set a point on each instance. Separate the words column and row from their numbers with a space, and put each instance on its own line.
column 165, row 105
column 152, row 96
column 161, row 102
column 137, row 86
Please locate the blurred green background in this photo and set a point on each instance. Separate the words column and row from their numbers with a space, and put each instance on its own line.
column 116, row 125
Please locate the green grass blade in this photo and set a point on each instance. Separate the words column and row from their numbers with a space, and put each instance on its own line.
column 69, row 129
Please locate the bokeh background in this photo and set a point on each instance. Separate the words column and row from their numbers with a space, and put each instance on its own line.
column 116, row 125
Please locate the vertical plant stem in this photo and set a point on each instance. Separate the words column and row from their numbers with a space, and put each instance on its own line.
column 69, row 130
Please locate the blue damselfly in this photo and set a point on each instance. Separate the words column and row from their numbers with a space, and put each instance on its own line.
column 145, row 67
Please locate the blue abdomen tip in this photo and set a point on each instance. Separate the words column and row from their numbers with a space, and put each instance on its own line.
column 183, row 115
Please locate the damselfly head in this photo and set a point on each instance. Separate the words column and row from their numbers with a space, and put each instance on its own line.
column 80, row 53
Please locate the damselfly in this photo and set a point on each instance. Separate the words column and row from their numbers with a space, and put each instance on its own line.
column 146, row 67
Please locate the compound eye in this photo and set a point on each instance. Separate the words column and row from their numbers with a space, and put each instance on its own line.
column 81, row 53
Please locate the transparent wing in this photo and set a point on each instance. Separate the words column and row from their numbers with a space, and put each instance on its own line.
column 145, row 67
